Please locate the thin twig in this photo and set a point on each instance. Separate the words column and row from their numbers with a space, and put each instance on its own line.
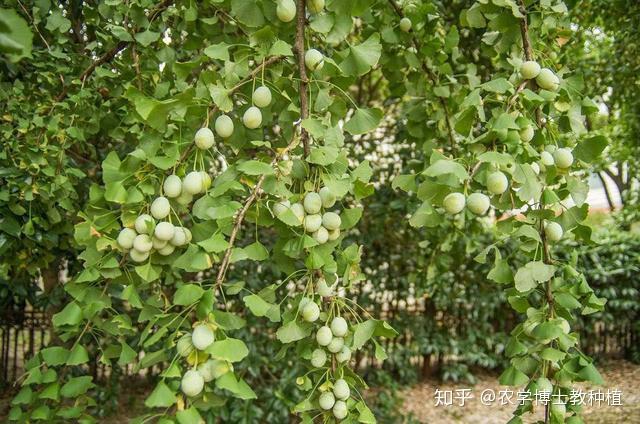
column 528, row 54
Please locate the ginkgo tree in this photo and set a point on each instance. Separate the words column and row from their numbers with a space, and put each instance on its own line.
column 186, row 140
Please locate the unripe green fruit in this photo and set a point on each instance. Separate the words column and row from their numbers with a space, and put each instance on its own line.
column 344, row 355
column 312, row 223
column 334, row 234
column 204, row 138
column 327, row 196
column 286, row 10
column 311, row 312
column 252, row 118
column 550, row 148
column 213, row 368
column 321, row 235
column 323, row 288
column 563, row 158
column 530, row 69
column 341, row 389
column 553, row 231
column 298, row 211
column 502, row 134
column 315, row 6
column 478, row 203
column 143, row 222
column 189, row 235
column 339, row 326
column 312, row 202
column 314, row 60
column 331, row 221
column 261, row 96
column 318, row 358
column 326, row 400
column 172, row 186
column 157, row 243
column 281, row 207
column 202, row 336
column 336, row 345
column 324, row 336
column 224, row 126
column 185, row 198
column 513, row 137
column 547, row 80
column 547, row 159
column 138, row 256
column 340, row 410
column 160, row 208
column 405, row 24
column 454, row 203
column 497, row 182
column 535, row 167
column 164, row 231
column 184, row 345
column 179, row 237
column 142, row 243
column 192, row 383
column 167, row 250
column 544, row 385
column 193, row 183
column 126, row 237
column 527, row 133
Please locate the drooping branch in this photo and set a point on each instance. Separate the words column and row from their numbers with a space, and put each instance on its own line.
column 430, row 74
column 528, row 53
column 112, row 52
column 304, row 81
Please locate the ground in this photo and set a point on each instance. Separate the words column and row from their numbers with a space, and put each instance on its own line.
column 419, row 401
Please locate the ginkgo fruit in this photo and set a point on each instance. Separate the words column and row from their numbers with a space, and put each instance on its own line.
column 323, row 288
column 312, row 223
column 204, row 138
column 563, row 158
column 224, row 126
column 478, row 203
column 344, row 355
column 160, row 207
column 314, row 60
column 331, row 220
column 324, row 336
column 157, row 243
column 340, row 410
column 286, row 10
column 281, row 207
column 548, row 80
column 138, row 256
column 143, row 223
column 298, row 211
column 405, row 24
column 527, row 133
column 172, row 186
column 321, row 235
column 179, row 237
column 164, row 231
column 336, row 345
column 327, row 197
column 261, row 96
column 185, row 198
column 202, row 336
column 142, row 243
column 334, row 234
column 126, row 237
column 546, row 158
column 544, row 385
column 341, row 389
column 193, row 183
column 497, row 182
column 212, row 369
column 318, row 358
column 326, row 400
column 339, row 327
column 206, row 180
column 184, row 345
column 167, row 250
column 529, row 69
column 312, row 202
column 192, row 383
column 553, row 231
column 454, row 203
column 311, row 312
column 252, row 118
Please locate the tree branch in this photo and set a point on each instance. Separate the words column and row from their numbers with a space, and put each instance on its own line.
column 528, row 54
column 299, row 46
column 432, row 76
column 606, row 191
